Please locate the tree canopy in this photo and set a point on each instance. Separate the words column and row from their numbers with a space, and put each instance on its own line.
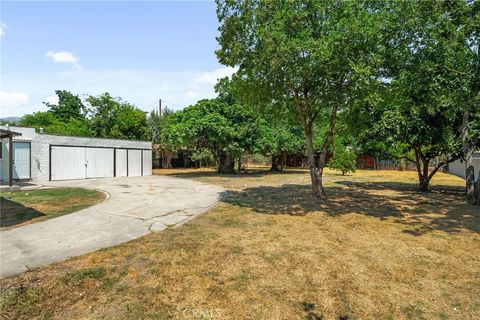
column 226, row 131
column 105, row 117
column 307, row 56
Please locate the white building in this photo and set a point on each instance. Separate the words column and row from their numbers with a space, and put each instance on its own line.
column 43, row 157
column 458, row 167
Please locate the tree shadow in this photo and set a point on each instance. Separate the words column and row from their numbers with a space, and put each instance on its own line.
column 14, row 213
column 442, row 209
column 402, row 186
column 251, row 173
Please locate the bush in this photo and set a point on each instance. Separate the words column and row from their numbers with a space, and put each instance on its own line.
column 343, row 161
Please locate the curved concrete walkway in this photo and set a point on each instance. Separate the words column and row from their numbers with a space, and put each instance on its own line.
column 136, row 206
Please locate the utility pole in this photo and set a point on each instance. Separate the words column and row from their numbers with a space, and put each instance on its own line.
column 160, row 107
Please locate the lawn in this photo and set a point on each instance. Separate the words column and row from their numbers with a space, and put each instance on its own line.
column 377, row 249
column 22, row 207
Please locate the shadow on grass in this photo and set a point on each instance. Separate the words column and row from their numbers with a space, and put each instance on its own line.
column 252, row 173
column 14, row 213
column 442, row 209
column 402, row 186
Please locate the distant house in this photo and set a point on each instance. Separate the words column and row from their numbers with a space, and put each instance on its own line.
column 28, row 155
column 458, row 167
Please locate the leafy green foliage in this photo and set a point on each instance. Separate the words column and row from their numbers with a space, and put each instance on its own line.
column 51, row 124
column 226, row 131
column 277, row 138
column 113, row 118
column 107, row 117
column 418, row 115
column 69, row 106
column 68, row 117
column 343, row 161
column 202, row 156
column 310, row 57
column 155, row 123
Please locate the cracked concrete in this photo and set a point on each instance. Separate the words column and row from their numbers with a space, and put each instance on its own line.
column 152, row 204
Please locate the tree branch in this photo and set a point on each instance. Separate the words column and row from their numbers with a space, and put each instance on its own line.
column 456, row 71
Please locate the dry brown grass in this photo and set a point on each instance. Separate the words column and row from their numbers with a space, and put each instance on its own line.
column 377, row 249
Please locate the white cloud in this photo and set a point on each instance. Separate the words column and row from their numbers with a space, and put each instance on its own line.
column 51, row 99
column 212, row 76
column 64, row 57
column 191, row 94
column 3, row 28
column 177, row 89
column 11, row 103
column 11, row 99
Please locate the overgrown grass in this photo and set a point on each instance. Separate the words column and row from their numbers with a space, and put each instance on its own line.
column 377, row 249
column 21, row 207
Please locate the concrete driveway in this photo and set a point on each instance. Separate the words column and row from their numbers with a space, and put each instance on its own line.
column 135, row 207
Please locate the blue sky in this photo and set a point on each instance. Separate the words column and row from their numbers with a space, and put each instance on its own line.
column 140, row 51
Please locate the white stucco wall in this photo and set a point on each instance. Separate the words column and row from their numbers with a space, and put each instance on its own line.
column 458, row 167
column 40, row 146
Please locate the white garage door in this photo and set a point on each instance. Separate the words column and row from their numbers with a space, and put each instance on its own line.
column 147, row 162
column 99, row 162
column 80, row 163
column 121, row 162
column 134, row 163
column 68, row 163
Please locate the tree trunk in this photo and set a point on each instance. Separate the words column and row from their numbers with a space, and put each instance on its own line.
column 328, row 141
column 424, row 183
column 226, row 164
column 275, row 163
column 477, row 190
column 166, row 159
column 421, row 162
column 284, row 160
column 239, row 168
column 311, row 158
column 468, row 156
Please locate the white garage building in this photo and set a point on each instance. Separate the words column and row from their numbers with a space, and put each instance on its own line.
column 43, row 157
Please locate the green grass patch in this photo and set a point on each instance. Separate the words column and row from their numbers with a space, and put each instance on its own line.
column 22, row 207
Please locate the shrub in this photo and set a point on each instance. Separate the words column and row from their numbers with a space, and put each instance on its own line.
column 343, row 161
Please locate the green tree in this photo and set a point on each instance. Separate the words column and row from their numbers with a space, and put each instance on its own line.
column 69, row 106
column 68, row 117
column 277, row 138
column 113, row 118
column 459, row 33
column 343, row 161
column 308, row 56
column 226, row 131
column 51, row 124
column 155, row 125
column 418, row 111
column 155, row 122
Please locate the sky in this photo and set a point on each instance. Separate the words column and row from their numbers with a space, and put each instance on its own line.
column 139, row 51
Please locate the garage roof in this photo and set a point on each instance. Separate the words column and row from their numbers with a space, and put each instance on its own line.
column 7, row 133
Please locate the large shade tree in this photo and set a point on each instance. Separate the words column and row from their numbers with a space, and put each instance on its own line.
column 226, row 131
column 66, row 117
column 308, row 56
column 430, row 83
column 113, row 118
column 458, row 32
column 278, row 138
